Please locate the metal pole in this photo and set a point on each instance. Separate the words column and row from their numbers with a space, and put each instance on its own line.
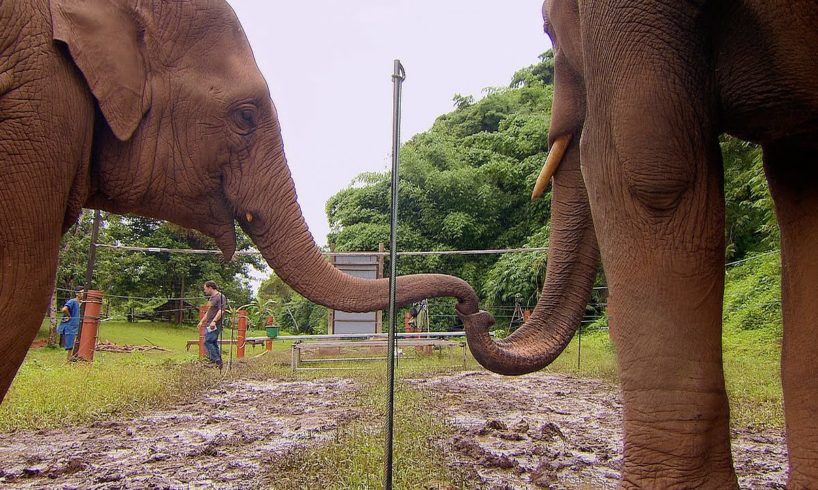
column 89, row 273
column 398, row 77
column 92, row 252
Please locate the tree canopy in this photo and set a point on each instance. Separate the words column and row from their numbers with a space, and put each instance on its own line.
column 465, row 184
column 123, row 274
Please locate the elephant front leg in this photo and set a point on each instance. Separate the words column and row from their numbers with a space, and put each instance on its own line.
column 665, row 270
column 27, row 269
column 792, row 171
column 653, row 170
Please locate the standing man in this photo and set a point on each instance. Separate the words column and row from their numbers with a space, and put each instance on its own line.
column 212, row 322
column 70, row 324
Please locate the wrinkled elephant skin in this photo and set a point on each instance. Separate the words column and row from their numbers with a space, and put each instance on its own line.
column 642, row 92
column 155, row 108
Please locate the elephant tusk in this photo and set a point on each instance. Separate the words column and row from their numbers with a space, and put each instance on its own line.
column 551, row 164
column 249, row 217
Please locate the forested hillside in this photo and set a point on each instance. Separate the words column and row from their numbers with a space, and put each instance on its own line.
column 465, row 184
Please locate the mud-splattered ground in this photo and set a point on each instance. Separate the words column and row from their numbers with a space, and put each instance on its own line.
column 556, row 431
column 536, row 431
column 219, row 441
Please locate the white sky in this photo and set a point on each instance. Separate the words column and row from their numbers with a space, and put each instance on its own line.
column 328, row 64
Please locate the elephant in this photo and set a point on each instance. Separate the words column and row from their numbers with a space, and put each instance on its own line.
column 642, row 92
column 154, row 108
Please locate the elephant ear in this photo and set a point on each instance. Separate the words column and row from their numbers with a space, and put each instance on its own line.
column 105, row 40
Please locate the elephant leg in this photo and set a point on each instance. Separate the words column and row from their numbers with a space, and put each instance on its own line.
column 24, row 295
column 792, row 171
column 653, row 169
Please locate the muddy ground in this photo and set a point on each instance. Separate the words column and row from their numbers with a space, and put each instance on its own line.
column 555, row 431
column 536, row 431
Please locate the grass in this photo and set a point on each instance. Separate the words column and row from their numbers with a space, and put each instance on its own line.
column 355, row 457
column 48, row 392
column 751, row 371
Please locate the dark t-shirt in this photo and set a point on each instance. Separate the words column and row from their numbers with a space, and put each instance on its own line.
column 217, row 302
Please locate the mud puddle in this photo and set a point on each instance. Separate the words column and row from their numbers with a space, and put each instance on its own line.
column 556, row 431
column 220, row 440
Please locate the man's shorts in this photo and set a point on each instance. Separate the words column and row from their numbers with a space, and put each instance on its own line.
column 68, row 340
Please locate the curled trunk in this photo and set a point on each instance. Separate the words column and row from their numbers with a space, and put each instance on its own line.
column 572, row 259
column 277, row 227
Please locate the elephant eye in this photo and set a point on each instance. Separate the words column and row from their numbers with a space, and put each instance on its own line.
column 245, row 119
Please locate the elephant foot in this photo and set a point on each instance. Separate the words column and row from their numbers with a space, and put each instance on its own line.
column 668, row 471
column 803, row 471
column 718, row 481
column 684, row 461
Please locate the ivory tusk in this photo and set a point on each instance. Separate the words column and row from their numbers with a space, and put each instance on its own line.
column 249, row 217
column 551, row 164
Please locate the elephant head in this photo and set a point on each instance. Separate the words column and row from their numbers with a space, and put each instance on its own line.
column 188, row 133
column 573, row 252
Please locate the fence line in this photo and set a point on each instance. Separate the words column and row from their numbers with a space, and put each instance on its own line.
column 327, row 254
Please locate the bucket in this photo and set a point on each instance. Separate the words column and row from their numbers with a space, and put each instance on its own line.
column 272, row 332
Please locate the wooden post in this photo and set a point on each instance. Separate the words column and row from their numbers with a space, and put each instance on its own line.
column 90, row 325
column 242, row 334
column 268, row 344
column 202, row 312
column 407, row 327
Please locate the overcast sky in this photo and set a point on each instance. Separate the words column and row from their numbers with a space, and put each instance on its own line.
column 328, row 64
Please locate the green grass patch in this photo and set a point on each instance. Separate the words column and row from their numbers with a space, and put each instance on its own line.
column 355, row 456
column 49, row 392
column 592, row 355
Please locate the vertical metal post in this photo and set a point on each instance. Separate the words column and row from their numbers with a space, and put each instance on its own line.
column 92, row 252
column 398, row 77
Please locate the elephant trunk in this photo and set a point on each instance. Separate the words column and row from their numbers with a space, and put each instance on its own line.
column 572, row 260
column 276, row 224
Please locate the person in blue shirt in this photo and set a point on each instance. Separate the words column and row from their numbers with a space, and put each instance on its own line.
column 70, row 324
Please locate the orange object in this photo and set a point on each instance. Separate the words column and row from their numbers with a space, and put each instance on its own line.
column 268, row 345
column 202, row 312
column 270, row 320
column 90, row 325
column 407, row 326
column 526, row 315
column 242, row 334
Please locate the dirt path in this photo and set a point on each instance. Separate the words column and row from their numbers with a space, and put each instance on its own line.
column 556, row 431
column 535, row 431
column 219, row 441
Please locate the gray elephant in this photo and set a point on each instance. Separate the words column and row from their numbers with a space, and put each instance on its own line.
column 154, row 108
column 642, row 91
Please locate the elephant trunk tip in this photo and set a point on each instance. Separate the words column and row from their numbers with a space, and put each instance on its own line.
column 500, row 357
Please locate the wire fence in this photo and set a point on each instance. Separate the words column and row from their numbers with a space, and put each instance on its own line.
column 186, row 309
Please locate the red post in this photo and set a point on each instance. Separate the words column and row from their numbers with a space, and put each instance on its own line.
column 90, row 325
column 407, row 327
column 268, row 344
column 242, row 334
column 202, row 312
